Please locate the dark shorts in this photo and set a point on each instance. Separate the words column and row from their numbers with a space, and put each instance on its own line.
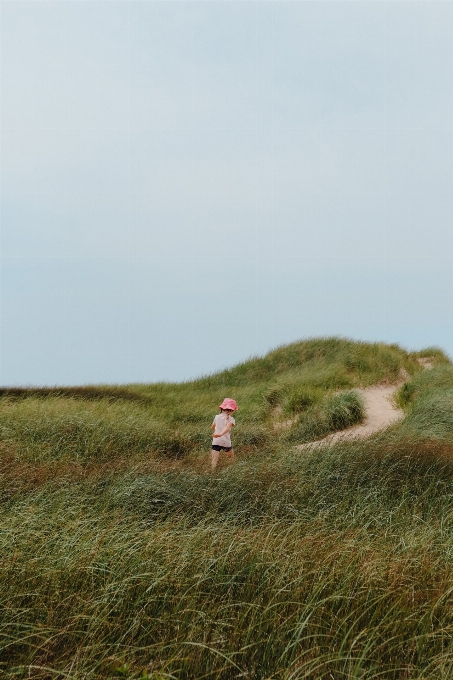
column 216, row 447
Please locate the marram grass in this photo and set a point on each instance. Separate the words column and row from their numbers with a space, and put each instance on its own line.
column 122, row 556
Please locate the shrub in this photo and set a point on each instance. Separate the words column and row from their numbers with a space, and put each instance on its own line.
column 405, row 394
column 345, row 410
column 300, row 399
column 335, row 413
column 431, row 416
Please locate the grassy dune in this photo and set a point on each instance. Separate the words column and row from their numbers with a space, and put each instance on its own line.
column 122, row 556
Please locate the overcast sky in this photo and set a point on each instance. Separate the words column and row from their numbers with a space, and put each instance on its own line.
column 189, row 183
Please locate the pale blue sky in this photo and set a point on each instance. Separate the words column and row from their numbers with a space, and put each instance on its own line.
column 188, row 183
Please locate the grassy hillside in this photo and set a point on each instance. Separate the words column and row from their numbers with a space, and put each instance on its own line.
column 173, row 420
column 123, row 556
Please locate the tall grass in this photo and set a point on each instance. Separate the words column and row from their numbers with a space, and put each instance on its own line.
column 123, row 559
column 303, row 568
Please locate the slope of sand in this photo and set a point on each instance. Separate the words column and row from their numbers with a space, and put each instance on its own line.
column 380, row 409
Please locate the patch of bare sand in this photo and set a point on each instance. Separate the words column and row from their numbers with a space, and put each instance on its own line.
column 426, row 362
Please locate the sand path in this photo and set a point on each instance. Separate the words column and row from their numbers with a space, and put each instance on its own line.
column 381, row 412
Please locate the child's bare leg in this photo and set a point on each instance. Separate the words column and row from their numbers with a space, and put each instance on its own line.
column 214, row 458
column 230, row 454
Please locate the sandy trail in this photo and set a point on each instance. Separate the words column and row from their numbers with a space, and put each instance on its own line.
column 381, row 412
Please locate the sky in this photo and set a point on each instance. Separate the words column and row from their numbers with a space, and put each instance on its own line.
column 189, row 183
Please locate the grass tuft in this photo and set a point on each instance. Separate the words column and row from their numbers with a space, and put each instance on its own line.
column 337, row 412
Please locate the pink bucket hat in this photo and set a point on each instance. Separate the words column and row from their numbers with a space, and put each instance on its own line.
column 229, row 403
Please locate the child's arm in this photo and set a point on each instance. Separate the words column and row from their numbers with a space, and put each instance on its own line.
column 227, row 429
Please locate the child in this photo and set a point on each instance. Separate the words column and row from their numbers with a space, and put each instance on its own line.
column 221, row 437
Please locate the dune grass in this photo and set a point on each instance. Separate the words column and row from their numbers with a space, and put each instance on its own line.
column 332, row 414
column 105, row 422
column 123, row 556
